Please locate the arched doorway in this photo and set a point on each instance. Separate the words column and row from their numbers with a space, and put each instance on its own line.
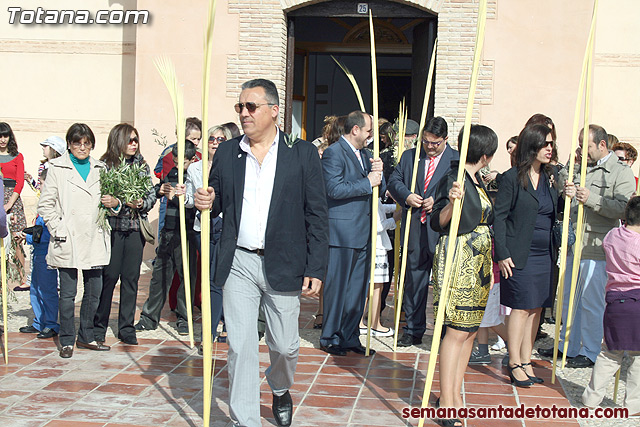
column 317, row 87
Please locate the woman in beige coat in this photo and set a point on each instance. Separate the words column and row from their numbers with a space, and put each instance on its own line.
column 69, row 206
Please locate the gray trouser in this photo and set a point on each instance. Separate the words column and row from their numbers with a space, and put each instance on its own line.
column 607, row 364
column 245, row 292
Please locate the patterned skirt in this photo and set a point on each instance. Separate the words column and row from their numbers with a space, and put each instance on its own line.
column 17, row 211
column 381, row 273
column 470, row 279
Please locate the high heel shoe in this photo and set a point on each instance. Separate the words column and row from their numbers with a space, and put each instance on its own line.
column 518, row 383
column 536, row 380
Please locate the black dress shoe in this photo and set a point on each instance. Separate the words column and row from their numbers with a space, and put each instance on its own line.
column 360, row 349
column 282, row 409
column 407, row 340
column 334, row 349
column 66, row 351
column 47, row 333
column 96, row 347
column 29, row 330
column 129, row 339
column 580, row 361
column 548, row 352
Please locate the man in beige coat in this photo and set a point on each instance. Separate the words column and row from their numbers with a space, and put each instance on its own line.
column 609, row 185
column 69, row 206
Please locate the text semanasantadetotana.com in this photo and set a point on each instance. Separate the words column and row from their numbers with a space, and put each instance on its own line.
column 17, row 15
column 516, row 412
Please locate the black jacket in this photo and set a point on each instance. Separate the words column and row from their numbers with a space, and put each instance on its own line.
column 516, row 213
column 297, row 234
column 471, row 215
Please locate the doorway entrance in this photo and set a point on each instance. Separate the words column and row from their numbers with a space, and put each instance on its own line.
column 317, row 86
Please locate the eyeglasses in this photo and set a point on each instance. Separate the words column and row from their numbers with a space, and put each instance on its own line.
column 134, row 139
column 251, row 106
column 217, row 138
column 433, row 143
column 78, row 144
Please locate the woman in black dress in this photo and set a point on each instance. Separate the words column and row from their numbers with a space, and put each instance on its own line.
column 525, row 211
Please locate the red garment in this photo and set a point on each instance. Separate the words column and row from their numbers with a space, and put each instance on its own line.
column 14, row 169
column 167, row 163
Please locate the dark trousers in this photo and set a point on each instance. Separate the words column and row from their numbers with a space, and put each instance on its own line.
column 344, row 296
column 215, row 291
column 68, row 289
column 168, row 260
column 416, row 287
column 126, row 257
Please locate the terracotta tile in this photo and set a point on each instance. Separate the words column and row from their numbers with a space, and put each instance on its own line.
column 56, row 362
column 390, row 383
column 381, row 393
column 20, row 360
column 148, row 369
column 25, row 409
column 171, row 393
column 56, row 398
column 108, row 400
column 126, row 389
column 489, row 400
column 22, row 422
column 159, row 403
column 72, row 386
column 378, row 418
column 106, row 365
column 383, row 372
column 31, row 352
column 143, row 417
column 543, row 402
column 334, row 390
column 381, row 405
column 161, row 360
column 342, row 370
column 470, row 387
column 347, row 361
column 141, row 379
column 8, row 370
column 329, row 402
column 87, row 375
column 79, row 411
column 149, row 341
column 70, row 423
column 542, row 391
column 322, row 416
column 128, row 349
column 338, row 380
column 298, row 378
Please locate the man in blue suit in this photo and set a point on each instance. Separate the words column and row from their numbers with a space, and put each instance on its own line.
column 349, row 175
column 435, row 161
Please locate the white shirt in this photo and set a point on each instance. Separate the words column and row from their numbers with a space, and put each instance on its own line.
column 256, row 199
column 356, row 152
column 192, row 182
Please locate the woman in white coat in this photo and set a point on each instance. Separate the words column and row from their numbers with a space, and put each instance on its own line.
column 69, row 206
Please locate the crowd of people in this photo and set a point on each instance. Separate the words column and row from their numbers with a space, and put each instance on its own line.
column 289, row 216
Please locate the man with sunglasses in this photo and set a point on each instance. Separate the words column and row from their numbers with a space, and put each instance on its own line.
column 349, row 175
column 274, row 244
column 435, row 161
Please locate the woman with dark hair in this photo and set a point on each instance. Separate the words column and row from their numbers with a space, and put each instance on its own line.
column 470, row 285
column 511, row 149
column 526, row 207
column 127, row 241
column 233, row 129
column 12, row 167
column 69, row 206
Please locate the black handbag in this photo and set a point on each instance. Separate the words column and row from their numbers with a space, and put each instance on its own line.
column 35, row 231
column 556, row 234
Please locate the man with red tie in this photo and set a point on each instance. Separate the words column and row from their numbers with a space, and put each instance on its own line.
column 435, row 161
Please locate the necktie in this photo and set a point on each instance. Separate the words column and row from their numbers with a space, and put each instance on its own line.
column 359, row 156
column 427, row 180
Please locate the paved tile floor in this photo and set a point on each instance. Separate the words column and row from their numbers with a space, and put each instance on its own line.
column 159, row 382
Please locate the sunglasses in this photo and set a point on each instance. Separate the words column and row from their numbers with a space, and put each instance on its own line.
column 78, row 144
column 251, row 106
column 134, row 139
column 217, row 138
column 623, row 159
column 432, row 143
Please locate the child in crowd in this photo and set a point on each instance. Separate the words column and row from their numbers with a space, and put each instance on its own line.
column 383, row 244
column 44, row 281
column 169, row 253
column 622, row 313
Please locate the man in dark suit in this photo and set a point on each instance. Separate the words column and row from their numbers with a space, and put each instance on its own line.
column 349, row 175
column 274, row 243
column 435, row 161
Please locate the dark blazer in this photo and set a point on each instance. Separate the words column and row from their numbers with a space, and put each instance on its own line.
column 471, row 215
column 348, row 195
column 296, row 237
column 515, row 219
column 400, row 183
